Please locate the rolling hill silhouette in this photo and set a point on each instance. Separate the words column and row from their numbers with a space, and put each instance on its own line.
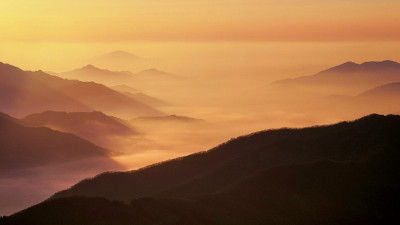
column 25, row 92
column 212, row 171
column 391, row 90
column 23, row 147
column 349, row 78
column 93, row 126
column 118, row 59
column 119, row 80
column 22, row 93
column 92, row 73
column 36, row 161
column 382, row 99
column 339, row 174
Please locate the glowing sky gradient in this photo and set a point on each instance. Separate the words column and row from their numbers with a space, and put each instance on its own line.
column 206, row 20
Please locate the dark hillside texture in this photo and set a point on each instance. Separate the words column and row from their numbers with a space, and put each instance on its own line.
column 340, row 174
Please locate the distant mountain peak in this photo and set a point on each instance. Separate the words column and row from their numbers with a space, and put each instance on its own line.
column 390, row 61
column 89, row 66
column 345, row 67
column 152, row 70
column 349, row 63
column 95, row 72
column 384, row 62
column 378, row 65
column 370, row 65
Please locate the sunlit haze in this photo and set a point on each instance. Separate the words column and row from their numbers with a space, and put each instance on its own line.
column 131, row 83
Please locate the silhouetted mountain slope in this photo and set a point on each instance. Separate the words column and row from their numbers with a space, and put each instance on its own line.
column 323, row 192
column 104, row 99
column 349, row 77
column 358, row 184
column 228, row 164
column 92, row 73
column 23, row 147
column 383, row 99
column 387, row 91
column 36, row 161
column 6, row 117
column 24, row 93
column 318, row 193
column 93, row 126
column 119, row 59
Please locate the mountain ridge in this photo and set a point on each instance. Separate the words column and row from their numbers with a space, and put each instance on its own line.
column 94, row 126
column 357, row 184
column 230, row 166
column 24, row 92
column 347, row 78
column 67, row 144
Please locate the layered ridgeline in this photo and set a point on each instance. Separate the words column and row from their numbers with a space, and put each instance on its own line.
column 340, row 174
column 37, row 161
column 117, row 59
column 22, row 146
column 104, row 76
column 118, row 81
column 24, row 92
column 383, row 99
column 348, row 78
column 388, row 91
column 93, row 126
column 117, row 78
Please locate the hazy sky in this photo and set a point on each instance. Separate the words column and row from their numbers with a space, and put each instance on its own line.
column 207, row 20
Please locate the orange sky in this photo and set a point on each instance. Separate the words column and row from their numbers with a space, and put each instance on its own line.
column 206, row 20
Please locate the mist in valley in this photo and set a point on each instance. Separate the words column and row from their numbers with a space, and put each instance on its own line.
column 193, row 96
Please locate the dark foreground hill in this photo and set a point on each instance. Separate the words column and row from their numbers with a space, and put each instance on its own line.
column 341, row 174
